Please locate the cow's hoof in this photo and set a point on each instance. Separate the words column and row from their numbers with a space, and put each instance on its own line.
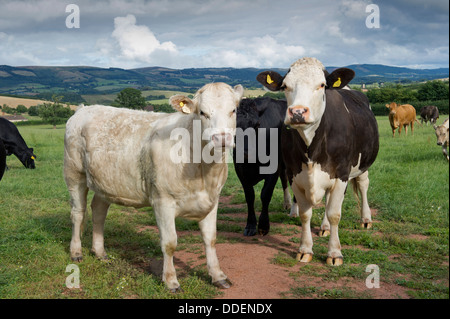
column 324, row 233
column 366, row 225
column 223, row 284
column 77, row 259
column 176, row 290
column 263, row 232
column 304, row 257
column 335, row 261
column 249, row 231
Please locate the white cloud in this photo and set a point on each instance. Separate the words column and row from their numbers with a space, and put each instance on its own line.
column 138, row 42
column 255, row 52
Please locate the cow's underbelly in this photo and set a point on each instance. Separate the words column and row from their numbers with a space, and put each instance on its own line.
column 196, row 205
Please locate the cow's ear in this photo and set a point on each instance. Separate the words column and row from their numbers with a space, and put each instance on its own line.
column 340, row 78
column 182, row 104
column 271, row 80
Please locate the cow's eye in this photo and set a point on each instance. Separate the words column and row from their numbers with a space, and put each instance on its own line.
column 322, row 86
column 204, row 114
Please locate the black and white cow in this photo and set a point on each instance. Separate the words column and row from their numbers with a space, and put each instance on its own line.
column 15, row 144
column 255, row 116
column 2, row 159
column 333, row 138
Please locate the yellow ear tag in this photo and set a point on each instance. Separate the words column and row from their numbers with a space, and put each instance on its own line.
column 269, row 79
column 32, row 157
column 337, row 83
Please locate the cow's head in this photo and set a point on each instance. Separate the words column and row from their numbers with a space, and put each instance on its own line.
column 304, row 86
column 392, row 107
column 27, row 158
column 215, row 105
column 442, row 134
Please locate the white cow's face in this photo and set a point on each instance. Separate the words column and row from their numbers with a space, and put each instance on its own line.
column 215, row 106
column 304, row 87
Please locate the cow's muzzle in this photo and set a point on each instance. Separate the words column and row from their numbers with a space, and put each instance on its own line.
column 223, row 140
column 298, row 114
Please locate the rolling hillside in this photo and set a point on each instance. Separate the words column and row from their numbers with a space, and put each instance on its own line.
column 74, row 82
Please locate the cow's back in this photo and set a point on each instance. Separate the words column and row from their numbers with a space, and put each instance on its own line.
column 405, row 113
column 104, row 144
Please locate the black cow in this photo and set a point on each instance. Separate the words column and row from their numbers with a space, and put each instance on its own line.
column 255, row 114
column 333, row 139
column 14, row 143
column 2, row 159
column 429, row 113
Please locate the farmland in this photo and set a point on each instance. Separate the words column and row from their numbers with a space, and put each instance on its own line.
column 409, row 242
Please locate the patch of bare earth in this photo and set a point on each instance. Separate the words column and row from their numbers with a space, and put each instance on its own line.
column 249, row 264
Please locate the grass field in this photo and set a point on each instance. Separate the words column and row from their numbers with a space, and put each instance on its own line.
column 409, row 242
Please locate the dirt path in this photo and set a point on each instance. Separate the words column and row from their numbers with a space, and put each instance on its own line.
column 249, row 264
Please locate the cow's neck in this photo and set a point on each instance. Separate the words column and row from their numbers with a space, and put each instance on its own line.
column 307, row 134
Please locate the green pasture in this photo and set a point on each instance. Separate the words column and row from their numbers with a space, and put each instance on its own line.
column 409, row 242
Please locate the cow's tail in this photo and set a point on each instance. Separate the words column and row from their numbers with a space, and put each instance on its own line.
column 419, row 122
column 356, row 192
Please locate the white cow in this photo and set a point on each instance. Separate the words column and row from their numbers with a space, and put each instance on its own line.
column 442, row 137
column 124, row 156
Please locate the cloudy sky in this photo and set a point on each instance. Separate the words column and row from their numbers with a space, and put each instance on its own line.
column 224, row 33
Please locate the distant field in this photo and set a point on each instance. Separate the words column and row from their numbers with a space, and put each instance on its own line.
column 14, row 102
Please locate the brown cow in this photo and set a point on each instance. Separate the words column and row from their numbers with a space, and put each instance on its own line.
column 401, row 115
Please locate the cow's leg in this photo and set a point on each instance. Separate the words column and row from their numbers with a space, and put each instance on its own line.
column 208, row 231
column 99, row 211
column 305, row 253
column 362, row 183
column 78, row 198
column 284, row 183
column 250, row 228
column 334, row 206
column 325, row 227
column 294, row 209
column 165, row 219
column 266, row 196
column 444, row 151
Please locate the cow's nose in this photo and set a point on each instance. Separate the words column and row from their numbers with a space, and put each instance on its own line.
column 299, row 114
column 439, row 143
column 222, row 139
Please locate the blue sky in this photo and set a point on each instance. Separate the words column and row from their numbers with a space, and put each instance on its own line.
column 219, row 33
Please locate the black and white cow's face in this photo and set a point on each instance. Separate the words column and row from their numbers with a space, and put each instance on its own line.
column 304, row 87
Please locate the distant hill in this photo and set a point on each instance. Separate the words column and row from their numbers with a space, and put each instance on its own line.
column 73, row 82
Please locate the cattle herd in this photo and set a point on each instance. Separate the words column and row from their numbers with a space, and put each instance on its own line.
column 321, row 137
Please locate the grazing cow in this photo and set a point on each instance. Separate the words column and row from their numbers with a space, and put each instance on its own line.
column 333, row 138
column 401, row 116
column 15, row 144
column 442, row 137
column 133, row 158
column 260, row 114
column 2, row 159
column 429, row 113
